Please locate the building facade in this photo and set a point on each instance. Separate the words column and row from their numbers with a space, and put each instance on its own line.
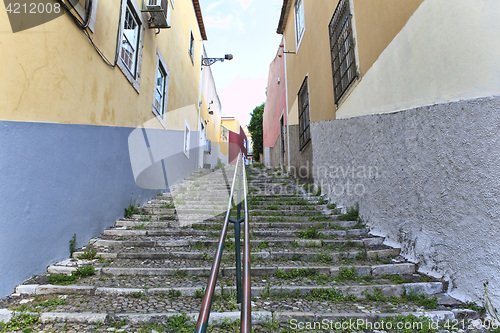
column 236, row 138
column 101, row 109
column 394, row 105
column 274, row 120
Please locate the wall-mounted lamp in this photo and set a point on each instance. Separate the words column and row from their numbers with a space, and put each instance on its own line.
column 211, row 61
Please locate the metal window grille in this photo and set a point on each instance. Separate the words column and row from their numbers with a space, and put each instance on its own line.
column 304, row 133
column 342, row 49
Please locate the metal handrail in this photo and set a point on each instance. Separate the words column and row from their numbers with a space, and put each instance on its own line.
column 242, row 287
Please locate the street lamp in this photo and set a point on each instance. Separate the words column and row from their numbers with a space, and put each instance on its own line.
column 211, row 61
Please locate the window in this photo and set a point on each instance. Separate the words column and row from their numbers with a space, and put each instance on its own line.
column 304, row 133
column 299, row 20
column 130, row 46
column 224, row 134
column 130, row 40
column 191, row 46
column 187, row 140
column 342, row 49
column 161, row 89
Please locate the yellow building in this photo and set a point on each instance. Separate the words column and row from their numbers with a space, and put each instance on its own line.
column 394, row 105
column 317, row 34
column 101, row 107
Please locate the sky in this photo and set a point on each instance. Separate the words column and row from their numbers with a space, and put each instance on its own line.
column 247, row 30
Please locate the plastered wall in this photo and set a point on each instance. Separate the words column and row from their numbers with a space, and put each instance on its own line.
column 445, row 52
column 427, row 179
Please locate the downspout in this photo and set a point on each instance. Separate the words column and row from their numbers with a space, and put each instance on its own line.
column 286, row 106
column 198, row 153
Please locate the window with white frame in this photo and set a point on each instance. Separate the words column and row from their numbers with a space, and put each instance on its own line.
column 304, row 121
column 299, row 20
column 187, row 140
column 132, row 39
column 191, row 46
column 161, row 89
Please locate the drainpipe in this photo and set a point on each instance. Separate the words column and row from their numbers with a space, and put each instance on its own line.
column 286, row 107
column 198, row 153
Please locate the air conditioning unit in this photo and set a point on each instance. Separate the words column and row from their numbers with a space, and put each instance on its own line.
column 160, row 15
column 154, row 4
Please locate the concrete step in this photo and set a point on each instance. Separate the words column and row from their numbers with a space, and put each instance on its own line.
column 265, row 233
column 359, row 291
column 207, row 243
column 261, row 320
column 272, row 275
column 283, row 225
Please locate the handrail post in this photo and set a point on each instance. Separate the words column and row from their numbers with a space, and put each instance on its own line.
column 246, row 304
column 243, row 287
column 237, row 236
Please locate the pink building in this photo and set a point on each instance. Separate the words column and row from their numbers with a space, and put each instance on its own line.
column 275, row 117
column 237, row 143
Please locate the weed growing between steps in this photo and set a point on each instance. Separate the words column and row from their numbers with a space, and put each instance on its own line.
column 310, row 233
column 64, row 280
column 295, row 273
column 132, row 209
column 39, row 304
column 352, row 214
column 88, row 254
column 72, row 245
column 21, row 321
column 168, row 205
column 419, row 299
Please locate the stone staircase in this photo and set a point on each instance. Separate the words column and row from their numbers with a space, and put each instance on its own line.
column 312, row 269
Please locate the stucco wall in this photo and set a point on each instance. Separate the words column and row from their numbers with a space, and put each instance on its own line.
column 312, row 59
column 445, row 52
column 427, row 178
column 59, row 180
column 301, row 161
column 275, row 99
column 375, row 32
column 51, row 73
column 274, row 153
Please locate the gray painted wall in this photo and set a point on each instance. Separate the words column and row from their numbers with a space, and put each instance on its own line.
column 274, row 153
column 434, row 185
column 301, row 162
column 57, row 180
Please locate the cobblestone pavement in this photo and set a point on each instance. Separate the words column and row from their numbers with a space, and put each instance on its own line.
column 313, row 270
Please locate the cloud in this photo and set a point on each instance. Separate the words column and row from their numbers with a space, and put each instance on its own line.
column 213, row 6
column 219, row 22
column 246, row 3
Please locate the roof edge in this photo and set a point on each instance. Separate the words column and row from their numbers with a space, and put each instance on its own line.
column 199, row 17
column 285, row 10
